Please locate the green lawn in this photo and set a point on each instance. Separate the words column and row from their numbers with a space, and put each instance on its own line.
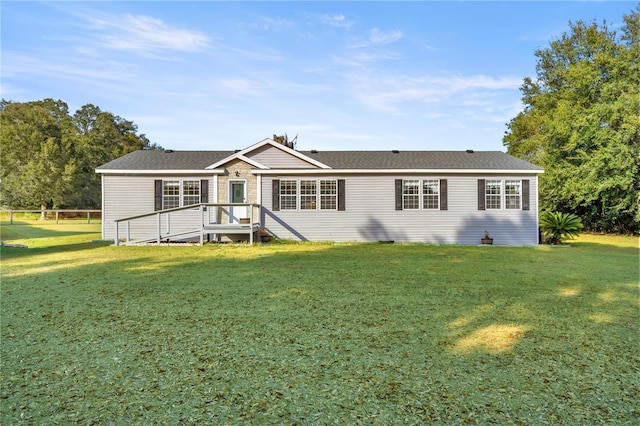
column 317, row 333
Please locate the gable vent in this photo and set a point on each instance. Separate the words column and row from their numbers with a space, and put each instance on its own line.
column 395, row 151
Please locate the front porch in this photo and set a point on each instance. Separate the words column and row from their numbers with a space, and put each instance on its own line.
column 198, row 222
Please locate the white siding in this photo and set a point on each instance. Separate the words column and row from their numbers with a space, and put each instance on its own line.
column 275, row 158
column 371, row 216
column 125, row 196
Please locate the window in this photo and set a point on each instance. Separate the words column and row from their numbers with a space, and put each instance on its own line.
column 176, row 193
column 507, row 193
column 170, row 194
column 328, row 195
column 431, row 194
column 411, row 194
column 493, row 194
column 309, row 194
column 512, row 192
column 416, row 194
column 190, row 192
column 288, row 195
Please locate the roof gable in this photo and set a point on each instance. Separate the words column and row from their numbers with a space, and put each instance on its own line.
column 255, row 150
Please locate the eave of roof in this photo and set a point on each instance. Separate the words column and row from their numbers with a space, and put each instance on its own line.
column 393, row 171
column 204, row 172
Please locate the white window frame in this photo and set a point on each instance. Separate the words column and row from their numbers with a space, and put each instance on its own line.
column 411, row 194
column 503, row 200
column 509, row 198
column 328, row 194
column 420, row 194
column 310, row 195
column 187, row 194
column 434, row 196
column 181, row 196
column 289, row 196
column 308, row 191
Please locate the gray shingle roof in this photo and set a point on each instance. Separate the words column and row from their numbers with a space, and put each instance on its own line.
column 422, row 160
column 166, row 160
column 493, row 160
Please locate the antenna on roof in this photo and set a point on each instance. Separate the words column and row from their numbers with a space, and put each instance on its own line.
column 284, row 140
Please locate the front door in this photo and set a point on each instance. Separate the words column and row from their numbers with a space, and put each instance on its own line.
column 237, row 195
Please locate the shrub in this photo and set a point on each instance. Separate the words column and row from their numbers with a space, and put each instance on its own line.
column 559, row 226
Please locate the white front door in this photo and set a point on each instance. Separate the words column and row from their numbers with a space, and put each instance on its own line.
column 237, row 195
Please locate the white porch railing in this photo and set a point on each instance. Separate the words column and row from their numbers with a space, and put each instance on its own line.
column 224, row 222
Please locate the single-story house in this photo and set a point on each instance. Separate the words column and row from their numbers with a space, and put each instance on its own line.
column 442, row 197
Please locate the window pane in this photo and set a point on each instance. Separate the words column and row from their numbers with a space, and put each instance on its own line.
column 493, row 191
column 170, row 194
column 411, row 194
column 430, row 194
column 328, row 195
column 190, row 192
column 308, row 194
column 288, row 194
column 512, row 194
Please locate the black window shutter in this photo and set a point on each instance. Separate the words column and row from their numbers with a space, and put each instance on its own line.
column 526, row 205
column 444, row 198
column 158, row 195
column 204, row 191
column 398, row 194
column 481, row 194
column 275, row 195
column 341, row 195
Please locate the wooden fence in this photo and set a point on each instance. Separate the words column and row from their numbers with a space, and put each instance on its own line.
column 45, row 213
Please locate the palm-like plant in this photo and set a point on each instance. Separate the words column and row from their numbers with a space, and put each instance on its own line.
column 560, row 226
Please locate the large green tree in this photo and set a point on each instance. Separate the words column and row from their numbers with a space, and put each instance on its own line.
column 48, row 157
column 581, row 122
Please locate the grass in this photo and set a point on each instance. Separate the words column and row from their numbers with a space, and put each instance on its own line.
column 317, row 333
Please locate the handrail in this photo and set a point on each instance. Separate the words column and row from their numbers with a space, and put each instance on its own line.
column 191, row 206
column 200, row 206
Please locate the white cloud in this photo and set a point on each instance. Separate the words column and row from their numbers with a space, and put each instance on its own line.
column 339, row 21
column 266, row 23
column 147, row 34
column 385, row 93
column 16, row 64
column 378, row 37
column 363, row 58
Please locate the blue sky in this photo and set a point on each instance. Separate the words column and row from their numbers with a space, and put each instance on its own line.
column 340, row 75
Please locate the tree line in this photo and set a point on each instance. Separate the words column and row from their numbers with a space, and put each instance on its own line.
column 581, row 122
column 48, row 156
